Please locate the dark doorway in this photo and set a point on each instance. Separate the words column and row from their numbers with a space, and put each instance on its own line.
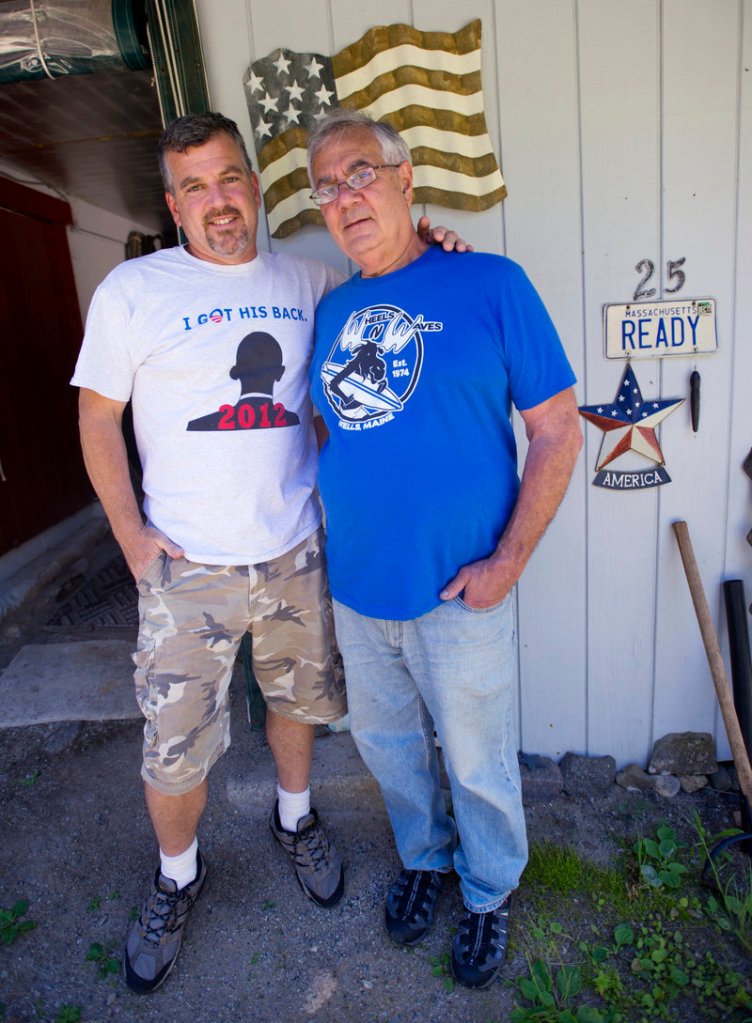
column 42, row 477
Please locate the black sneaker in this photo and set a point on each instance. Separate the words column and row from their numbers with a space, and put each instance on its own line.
column 153, row 942
column 480, row 945
column 411, row 904
column 318, row 865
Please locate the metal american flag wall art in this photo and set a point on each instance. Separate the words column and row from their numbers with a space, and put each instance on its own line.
column 427, row 85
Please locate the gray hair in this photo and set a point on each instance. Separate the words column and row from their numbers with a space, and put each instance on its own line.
column 196, row 130
column 339, row 121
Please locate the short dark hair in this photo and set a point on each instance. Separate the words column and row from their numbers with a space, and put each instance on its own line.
column 196, row 130
column 340, row 120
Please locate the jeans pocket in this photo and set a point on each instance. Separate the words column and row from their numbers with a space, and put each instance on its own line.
column 479, row 610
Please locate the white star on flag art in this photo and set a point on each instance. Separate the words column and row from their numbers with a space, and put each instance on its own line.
column 427, row 85
column 629, row 422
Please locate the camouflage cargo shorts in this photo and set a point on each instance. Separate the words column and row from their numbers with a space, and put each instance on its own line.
column 192, row 620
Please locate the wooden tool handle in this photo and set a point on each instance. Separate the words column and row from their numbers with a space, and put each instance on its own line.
column 713, row 652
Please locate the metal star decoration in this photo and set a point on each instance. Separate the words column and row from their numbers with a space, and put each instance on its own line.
column 629, row 423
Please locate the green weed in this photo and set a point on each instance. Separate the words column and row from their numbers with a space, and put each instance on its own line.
column 667, row 972
column 68, row 1014
column 11, row 924
column 95, row 902
column 733, row 913
column 730, row 905
column 440, row 968
column 545, row 929
column 550, row 996
column 106, row 962
column 658, row 859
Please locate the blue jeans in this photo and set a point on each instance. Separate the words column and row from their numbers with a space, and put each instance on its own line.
column 453, row 670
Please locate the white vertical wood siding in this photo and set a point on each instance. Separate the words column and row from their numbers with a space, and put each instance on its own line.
column 624, row 132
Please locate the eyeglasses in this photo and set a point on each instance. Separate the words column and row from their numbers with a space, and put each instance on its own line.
column 361, row 178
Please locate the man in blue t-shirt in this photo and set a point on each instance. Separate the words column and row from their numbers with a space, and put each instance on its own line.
column 418, row 360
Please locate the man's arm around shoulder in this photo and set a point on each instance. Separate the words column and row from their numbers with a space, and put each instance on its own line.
column 106, row 460
column 555, row 439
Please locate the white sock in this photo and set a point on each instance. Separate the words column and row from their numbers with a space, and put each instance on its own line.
column 182, row 869
column 293, row 806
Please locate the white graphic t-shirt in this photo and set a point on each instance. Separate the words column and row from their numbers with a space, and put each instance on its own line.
column 215, row 359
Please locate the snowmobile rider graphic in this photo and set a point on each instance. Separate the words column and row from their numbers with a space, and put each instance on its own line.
column 368, row 364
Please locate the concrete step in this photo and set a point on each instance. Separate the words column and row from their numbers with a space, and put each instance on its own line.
column 87, row 681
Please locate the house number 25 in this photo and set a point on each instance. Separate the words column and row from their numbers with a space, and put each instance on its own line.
column 646, row 267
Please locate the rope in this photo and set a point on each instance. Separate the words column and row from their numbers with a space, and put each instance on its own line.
column 38, row 40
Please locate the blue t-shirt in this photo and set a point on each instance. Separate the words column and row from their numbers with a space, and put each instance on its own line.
column 415, row 373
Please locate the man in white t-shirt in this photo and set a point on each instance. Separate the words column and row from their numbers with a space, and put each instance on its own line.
column 231, row 539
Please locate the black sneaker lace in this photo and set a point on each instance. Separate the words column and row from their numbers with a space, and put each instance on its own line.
column 314, row 845
column 160, row 915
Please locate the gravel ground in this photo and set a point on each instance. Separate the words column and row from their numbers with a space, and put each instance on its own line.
column 77, row 844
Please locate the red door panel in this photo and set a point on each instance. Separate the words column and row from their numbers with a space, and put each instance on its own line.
column 40, row 334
